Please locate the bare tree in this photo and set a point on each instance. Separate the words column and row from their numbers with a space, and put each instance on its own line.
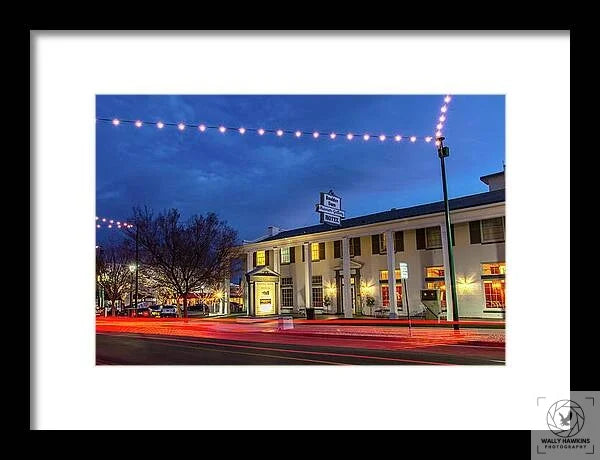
column 112, row 270
column 185, row 256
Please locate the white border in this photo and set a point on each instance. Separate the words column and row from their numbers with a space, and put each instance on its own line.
column 532, row 70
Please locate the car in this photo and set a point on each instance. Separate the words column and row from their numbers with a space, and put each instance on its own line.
column 142, row 311
column 155, row 311
column 168, row 311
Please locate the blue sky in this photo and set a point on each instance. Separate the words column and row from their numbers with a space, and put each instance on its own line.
column 255, row 181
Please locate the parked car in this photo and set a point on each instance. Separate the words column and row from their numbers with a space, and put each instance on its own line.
column 155, row 311
column 143, row 311
column 168, row 311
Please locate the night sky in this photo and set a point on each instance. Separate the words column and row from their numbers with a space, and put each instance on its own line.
column 255, row 181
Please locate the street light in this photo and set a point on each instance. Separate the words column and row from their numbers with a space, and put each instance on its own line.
column 443, row 152
column 131, row 269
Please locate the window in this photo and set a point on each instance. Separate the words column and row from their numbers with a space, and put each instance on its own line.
column 433, row 237
column 317, row 297
column 383, row 275
column 385, row 296
column 382, row 246
column 498, row 268
column 314, row 251
column 285, row 255
column 492, row 230
column 435, row 272
column 494, row 293
column 287, row 292
column 317, row 280
column 260, row 258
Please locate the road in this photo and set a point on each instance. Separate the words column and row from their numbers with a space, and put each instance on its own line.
column 153, row 349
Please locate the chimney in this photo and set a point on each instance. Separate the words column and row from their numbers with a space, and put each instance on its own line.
column 272, row 230
column 494, row 181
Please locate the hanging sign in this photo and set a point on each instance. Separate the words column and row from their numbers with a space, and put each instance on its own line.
column 330, row 208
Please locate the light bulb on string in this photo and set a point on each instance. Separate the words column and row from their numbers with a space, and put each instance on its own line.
column 138, row 123
column 316, row 134
column 382, row 138
column 280, row 132
column 349, row 136
column 180, row 126
column 398, row 137
column 439, row 126
column 366, row 137
column 413, row 138
column 442, row 118
column 160, row 125
column 428, row 139
column 202, row 128
column 332, row 135
column 116, row 121
column 222, row 129
column 298, row 133
column 261, row 131
column 438, row 134
column 242, row 130
column 443, row 109
column 447, row 99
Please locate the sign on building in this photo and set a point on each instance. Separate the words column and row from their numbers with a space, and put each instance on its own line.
column 403, row 271
column 330, row 208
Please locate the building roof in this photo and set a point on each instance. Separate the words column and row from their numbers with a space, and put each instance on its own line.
column 485, row 178
column 480, row 199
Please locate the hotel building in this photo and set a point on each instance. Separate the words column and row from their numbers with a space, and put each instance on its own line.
column 346, row 269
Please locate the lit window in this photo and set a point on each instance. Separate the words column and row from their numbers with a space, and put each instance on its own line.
column 435, row 272
column 285, row 255
column 434, row 237
column 260, row 258
column 385, row 296
column 494, row 293
column 317, row 280
column 287, row 292
column 383, row 275
column 497, row 268
column 492, row 230
column 382, row 245
column 314, row 251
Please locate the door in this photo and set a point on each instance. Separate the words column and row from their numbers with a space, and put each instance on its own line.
column 340, row 293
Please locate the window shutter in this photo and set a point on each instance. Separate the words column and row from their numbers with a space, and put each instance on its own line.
column 337, row 250
column 375, row 244
column 302, row 251
column 421, row 238
column 292, row 254
column 398, row 241
column 321, row 251
column 356, row 246
column 452, row 234
column 475, row 232
column 267, row 257
column 254, row 259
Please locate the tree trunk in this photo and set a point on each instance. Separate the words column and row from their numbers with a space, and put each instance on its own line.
column 113, row 307
column 185, row 303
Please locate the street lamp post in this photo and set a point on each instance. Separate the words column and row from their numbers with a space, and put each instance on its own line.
column 442, row 153
column 137, row 264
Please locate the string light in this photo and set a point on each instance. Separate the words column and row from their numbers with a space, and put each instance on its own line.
column 279, row 132
column 111, row 223
column 441, row 119
column 428, row 139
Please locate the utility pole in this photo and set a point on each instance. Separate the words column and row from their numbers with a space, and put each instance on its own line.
column 442, row 153
column 137, row 264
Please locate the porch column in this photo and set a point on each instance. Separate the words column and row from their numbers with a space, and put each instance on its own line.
column 347, row 295
column 447, row 281
column 247, row 289
column 276, row 261
column 307, row 275
column 391, row 266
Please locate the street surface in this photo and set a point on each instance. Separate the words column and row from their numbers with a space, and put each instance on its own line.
column 265, row 341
